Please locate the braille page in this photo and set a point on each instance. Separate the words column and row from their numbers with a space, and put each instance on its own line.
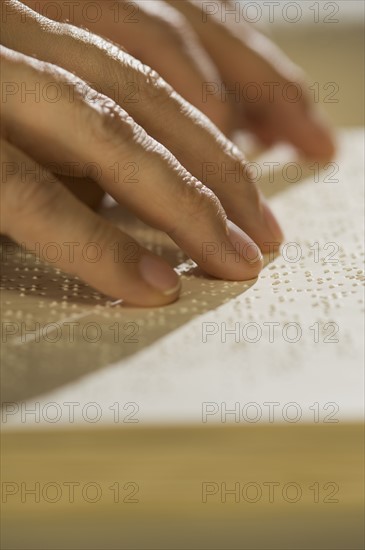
column 286, row 347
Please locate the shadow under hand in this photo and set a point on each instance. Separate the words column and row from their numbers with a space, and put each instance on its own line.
column 55, row 328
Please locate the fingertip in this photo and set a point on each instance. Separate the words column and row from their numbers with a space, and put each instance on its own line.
column 154, row 283
column 319, row 142
column 273, row 228
column 325, row 149
column 160, row 276
column 247, row 249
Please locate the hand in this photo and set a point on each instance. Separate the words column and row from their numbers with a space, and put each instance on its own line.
column 202, row 57
column 283, row 110
column 94, row 128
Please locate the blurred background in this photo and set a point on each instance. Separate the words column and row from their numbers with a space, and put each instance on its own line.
column 327, row 40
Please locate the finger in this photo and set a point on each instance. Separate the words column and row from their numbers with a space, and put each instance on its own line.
column 39, row 212
column 295, row 120
column 174, row 51
column 190, row 136
column 160, row 37
column 161, row 192
column 306, row 128
column 245, row 57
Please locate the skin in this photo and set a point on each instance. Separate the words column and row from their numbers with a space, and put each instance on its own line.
column 198, row 54
column 227, row 213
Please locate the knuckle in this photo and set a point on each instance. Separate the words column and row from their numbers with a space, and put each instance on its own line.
column 153, row 85
column 109, row 124
column 147, row 83
column 198, row 201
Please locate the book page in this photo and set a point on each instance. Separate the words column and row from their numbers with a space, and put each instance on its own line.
column 286, row 347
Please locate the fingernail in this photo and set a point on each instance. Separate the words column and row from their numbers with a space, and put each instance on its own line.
column 272, row 225
column 159, row 275
column 245, row 246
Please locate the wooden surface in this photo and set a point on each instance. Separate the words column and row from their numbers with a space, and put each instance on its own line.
column 169, row 466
